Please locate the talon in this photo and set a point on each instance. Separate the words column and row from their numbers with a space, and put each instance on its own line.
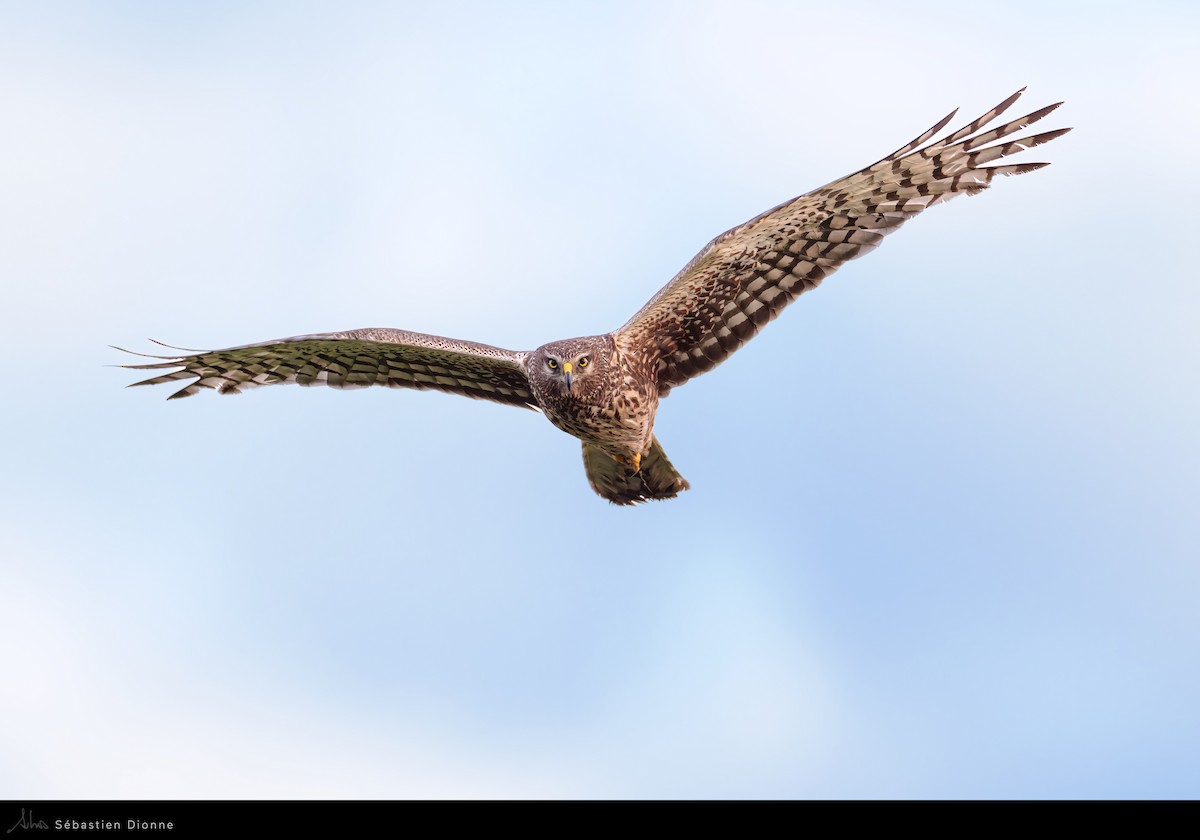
column 634, row 462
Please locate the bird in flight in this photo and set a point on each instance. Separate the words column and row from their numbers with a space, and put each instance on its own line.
column 605, row 389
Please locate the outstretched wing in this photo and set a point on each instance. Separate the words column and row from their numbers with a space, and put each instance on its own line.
column 354, row 359
column 747, row 275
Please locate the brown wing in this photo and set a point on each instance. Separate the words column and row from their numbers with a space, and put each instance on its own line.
column 355, row 359
column 747, row 275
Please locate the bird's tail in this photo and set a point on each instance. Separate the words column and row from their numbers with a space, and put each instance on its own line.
column 655, row 479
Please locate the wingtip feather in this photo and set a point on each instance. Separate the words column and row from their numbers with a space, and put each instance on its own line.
column 1015, row 168
column 173, row 347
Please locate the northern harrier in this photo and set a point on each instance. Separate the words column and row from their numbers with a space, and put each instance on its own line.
column 604, row 389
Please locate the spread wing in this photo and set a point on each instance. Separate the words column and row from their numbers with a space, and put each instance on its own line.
column 354, row 359
column 747, row 275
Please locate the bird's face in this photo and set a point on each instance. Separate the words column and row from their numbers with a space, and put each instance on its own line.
column 567, row 370
column 572, row 368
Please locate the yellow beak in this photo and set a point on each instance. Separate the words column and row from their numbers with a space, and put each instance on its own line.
column 567, row 368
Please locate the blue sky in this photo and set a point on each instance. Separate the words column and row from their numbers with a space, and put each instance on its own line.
column 942, row 538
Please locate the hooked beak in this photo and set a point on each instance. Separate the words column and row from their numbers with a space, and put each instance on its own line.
column 567, row 375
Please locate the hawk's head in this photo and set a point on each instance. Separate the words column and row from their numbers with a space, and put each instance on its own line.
column 578, row 369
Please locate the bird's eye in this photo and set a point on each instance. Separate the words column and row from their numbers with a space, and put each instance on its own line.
column 552, row 364
column 584, row 361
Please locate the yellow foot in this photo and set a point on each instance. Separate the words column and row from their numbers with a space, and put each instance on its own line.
column 635, row 462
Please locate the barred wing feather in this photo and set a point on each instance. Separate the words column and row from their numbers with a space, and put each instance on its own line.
column 354, row 359
column 746, row 276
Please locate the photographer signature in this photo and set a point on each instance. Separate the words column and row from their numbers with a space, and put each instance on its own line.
column 27, row 822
